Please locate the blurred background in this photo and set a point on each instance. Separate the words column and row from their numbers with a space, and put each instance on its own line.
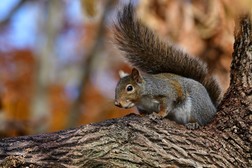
column 59, row 67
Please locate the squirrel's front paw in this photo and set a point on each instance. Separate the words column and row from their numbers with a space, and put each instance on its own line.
column 192, row 126
column 155, row 117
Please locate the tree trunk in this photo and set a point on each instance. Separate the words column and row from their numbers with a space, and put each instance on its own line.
column 135, row 141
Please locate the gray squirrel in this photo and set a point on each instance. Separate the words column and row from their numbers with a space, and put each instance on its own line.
column 173, row 85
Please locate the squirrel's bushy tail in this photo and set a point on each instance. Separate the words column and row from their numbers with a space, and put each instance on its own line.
column 147, row 52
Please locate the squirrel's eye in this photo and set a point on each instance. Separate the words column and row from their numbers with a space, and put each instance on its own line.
column 129, row 88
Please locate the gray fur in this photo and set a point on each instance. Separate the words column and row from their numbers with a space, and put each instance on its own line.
column 145, row 51
column 196, row 106
column 174, row 82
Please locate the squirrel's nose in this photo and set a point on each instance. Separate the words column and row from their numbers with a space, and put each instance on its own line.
column 118, row 104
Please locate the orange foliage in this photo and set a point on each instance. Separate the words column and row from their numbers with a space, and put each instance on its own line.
column 17, row 79
column 60, row 106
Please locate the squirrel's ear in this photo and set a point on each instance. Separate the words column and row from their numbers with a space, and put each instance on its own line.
column 136, row 75
column 122, row 74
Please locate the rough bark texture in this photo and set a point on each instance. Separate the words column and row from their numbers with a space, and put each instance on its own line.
column 128, row 142
column 135, row 141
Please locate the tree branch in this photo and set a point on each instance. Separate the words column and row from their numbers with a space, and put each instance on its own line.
column 133, row 141
column 235, row 110
column 12, row 12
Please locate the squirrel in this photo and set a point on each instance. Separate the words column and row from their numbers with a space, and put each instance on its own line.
column 173, row 84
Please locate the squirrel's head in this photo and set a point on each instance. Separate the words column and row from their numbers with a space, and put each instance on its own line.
column 128, row 89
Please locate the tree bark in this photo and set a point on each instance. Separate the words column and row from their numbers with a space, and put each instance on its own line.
column 135, row 141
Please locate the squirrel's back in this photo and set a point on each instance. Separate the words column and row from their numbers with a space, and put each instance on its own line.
column 147, row 52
